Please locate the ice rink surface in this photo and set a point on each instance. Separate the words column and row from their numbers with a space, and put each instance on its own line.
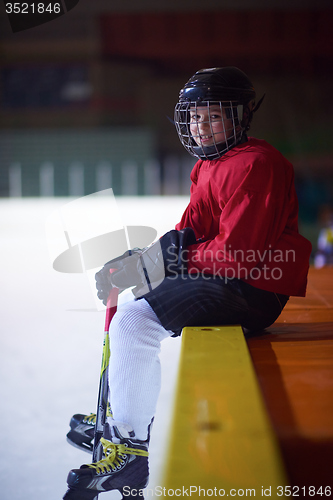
column 51, row 347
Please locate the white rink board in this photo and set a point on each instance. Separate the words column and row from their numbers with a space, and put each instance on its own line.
column 51, row 347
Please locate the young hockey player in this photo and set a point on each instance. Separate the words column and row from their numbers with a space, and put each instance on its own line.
column 234, row 258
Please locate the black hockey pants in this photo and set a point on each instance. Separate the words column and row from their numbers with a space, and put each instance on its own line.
column 202, row 300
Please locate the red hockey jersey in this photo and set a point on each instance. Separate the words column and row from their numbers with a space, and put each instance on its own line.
column 244, row 209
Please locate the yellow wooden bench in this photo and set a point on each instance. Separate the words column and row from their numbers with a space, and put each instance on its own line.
column 222, row 442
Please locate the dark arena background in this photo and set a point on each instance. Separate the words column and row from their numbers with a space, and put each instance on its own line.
column 86, row 100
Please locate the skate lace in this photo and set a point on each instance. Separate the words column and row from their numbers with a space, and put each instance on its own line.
column 91, row 419
column 114, row 455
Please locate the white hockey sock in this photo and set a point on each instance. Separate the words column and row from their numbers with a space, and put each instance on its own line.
column 135, row 375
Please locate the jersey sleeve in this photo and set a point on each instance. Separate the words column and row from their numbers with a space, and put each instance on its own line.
column 245, row 213
column 251, row 223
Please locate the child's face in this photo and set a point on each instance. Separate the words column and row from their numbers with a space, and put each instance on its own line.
column 209, row 125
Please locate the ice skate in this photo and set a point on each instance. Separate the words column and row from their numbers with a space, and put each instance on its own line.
column 124, row 468
column 82, row 431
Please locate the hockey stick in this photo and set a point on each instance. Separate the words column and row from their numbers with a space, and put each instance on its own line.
column 103, row 392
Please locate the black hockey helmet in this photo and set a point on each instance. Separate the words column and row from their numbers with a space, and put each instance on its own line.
column 228, row 90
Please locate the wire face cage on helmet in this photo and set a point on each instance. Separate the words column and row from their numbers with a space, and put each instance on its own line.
column 210, row 128
column 214, row 111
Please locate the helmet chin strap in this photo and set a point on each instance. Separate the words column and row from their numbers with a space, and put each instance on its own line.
column 248, row 111
column 258, row 104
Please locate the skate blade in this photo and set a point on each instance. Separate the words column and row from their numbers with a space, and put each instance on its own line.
column 83, row 446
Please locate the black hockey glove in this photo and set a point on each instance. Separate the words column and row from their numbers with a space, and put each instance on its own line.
column 104, row 283
column 145, row 269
